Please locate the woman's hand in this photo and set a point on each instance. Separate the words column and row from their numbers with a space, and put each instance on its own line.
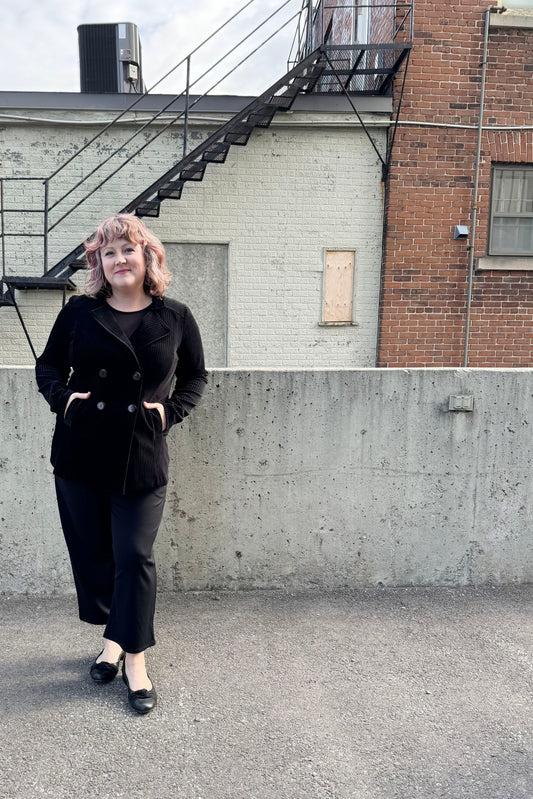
column 161, row 410
column 76, row 395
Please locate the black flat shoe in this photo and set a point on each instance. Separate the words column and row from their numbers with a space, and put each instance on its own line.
column 142, row 701
column 104, row 671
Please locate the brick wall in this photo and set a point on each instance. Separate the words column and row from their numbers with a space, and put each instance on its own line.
column 308, row 183
column 430, row 189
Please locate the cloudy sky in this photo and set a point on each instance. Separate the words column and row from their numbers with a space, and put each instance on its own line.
column 39, row 41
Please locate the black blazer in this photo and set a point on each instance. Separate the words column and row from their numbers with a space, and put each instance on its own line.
column 111, row 440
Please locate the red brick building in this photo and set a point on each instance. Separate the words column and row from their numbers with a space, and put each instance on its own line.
column 436, row 296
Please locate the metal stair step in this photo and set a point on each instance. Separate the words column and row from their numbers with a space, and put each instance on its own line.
column 216, row 153
column 172, row 191
column 194, row 171
column 79, row 263
column 261, row 119
column 239, row 134
column 26, row 283
column 148, row 208
column 283, row 101
column 302, row 81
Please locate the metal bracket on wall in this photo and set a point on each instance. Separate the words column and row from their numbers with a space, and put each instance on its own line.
column 21, row 320
column 461, row 402
column 356, row 112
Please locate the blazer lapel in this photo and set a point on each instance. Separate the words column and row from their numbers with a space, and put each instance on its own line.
column 105, row 317
column 152, row 327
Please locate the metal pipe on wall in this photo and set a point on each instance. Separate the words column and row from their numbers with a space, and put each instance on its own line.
column 473, row 218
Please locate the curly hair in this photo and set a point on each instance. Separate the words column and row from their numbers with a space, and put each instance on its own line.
column 129, row 227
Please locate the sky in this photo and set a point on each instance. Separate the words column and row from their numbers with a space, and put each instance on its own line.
column 39, row 42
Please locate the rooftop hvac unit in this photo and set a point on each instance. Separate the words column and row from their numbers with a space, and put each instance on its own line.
column 110, row 58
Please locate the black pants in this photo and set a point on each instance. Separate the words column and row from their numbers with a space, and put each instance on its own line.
column 110, row 540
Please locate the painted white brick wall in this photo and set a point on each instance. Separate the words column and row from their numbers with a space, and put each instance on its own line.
column 300, row 187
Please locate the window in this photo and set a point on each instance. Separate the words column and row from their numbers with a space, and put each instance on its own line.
column 511, row 228
column 339, row 286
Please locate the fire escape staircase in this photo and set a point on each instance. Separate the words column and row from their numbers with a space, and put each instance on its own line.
column 213, row 150
column 327, row 69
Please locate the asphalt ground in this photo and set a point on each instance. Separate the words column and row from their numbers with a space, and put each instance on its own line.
column 273, row 695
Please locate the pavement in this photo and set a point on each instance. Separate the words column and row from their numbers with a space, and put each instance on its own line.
column 385, row 694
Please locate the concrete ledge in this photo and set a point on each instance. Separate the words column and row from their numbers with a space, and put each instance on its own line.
column 505, row 263
column 512, row 19
column 308, row 478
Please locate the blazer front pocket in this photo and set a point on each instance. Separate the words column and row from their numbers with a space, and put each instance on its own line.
column 73, row 410
column 154, row 420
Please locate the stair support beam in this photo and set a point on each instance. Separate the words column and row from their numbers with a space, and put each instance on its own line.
column 356, row 112
column 186, row 116
column 21, row 320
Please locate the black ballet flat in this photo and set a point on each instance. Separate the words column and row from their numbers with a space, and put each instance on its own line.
column 142, row 701
column 105, row 672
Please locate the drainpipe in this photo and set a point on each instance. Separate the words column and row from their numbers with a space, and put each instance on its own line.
column 476, row 187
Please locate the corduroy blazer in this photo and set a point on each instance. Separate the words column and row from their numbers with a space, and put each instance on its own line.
column 111, row 439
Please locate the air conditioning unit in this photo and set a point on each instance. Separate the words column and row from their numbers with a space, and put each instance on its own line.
column 110, row 58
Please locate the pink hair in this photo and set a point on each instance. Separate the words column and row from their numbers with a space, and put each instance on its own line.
column 126, row 226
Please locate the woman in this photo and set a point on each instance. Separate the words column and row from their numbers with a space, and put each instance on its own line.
column 106, row 372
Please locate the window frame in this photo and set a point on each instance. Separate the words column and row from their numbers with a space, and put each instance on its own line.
column 491, row 251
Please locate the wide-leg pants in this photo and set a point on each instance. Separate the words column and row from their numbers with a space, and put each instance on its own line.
column 110, row 540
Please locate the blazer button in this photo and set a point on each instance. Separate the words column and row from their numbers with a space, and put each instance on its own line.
column 132, row 408
column 102, row 373
column 136, row 376
column 100, row 406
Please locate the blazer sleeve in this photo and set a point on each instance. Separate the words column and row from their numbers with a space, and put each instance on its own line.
column 191, row 376
column 53, row 366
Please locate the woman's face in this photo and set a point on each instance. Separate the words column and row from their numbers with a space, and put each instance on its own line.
column 124, row 265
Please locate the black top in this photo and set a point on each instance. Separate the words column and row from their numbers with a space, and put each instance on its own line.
column 129, row 321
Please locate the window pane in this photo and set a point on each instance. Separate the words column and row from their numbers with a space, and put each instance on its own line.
column 512, row 211
column 513, row 191
column 515, row 203
column 497, row 192
column 527, row 198
column 505, row 189
column 512, row 236
column 525, row 238
column 503, row 235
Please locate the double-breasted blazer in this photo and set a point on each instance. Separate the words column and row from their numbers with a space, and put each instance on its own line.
column 111, row 439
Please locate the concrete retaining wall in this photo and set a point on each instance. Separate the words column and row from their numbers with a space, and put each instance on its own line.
column 308, row 478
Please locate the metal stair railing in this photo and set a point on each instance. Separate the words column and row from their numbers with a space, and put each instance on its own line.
column 316, row 17
column 184, row 114
column 190, row 102
column 214, row 148
column 313, row 68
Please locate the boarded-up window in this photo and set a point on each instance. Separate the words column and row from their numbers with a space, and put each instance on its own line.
column 339, row 286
